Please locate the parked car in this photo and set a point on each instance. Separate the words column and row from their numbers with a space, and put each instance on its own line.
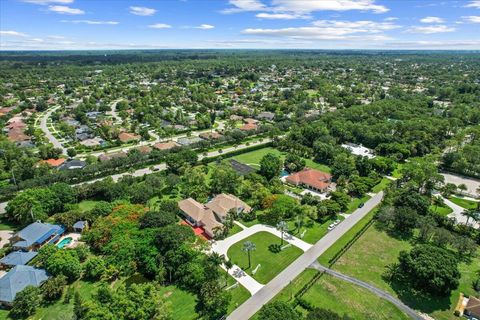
column 361, row 205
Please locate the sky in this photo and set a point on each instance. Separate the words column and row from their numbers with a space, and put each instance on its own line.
column 300, row 24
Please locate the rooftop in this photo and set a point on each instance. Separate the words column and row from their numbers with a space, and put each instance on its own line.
column 17, row 279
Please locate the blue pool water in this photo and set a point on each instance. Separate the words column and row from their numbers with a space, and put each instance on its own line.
column 64, row 242
column 284, row 173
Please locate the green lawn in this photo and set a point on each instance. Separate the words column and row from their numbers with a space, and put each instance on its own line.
column 381, row 185
column 464, row 203
column 441, row 210
column 253, row 158
column 86, row 205
column 356, row 202
column 340, row 243
column 315, row 231
column 239, row 294
column 235, row 229
column 375, row 249
column 7, row 225
column 342, row 297
column 271, row 263
column 182, row 303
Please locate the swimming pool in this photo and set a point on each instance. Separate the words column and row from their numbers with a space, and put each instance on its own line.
column 284, row 173
column 64, row 242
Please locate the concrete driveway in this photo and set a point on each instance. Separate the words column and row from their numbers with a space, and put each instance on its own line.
column 472, row 184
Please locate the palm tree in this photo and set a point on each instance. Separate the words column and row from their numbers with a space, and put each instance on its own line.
column 216, row 259
column 282, row 226
column 438, row 202
column 471, row 214
column 462, row 188
column 249, row 246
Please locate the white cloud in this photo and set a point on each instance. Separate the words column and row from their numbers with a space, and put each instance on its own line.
column 92, row 22
column 12, row 33
column 431, row 20
column 160, row 26
column 245, row 5
column 204, row 26
column 391, row 19
column 303, row 7
column 307, row 6
column 474, row 4
column 281, row 16
column 472, row 19
column 43, row 2
column 431, row 29
column 331, row 30
column 142, row 11
column 65, row 10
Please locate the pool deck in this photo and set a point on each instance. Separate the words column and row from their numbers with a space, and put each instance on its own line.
column 75, row 239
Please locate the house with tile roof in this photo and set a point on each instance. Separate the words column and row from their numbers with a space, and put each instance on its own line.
column 166, row 145
column 312, row 179
column 36, row 235
column 211, row 216
column 125, row 137
column 18, row 279
column 472, row 309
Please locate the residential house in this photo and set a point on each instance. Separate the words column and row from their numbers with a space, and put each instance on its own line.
column 79, row 226
column 211, row 215
column 16, row 258
column 188, row 141
column 210, row 135
column 166, row 145
column 359, row 150
column 311, row 179
column 144, row 149
column 125, row 137
column 93, row 142
column 72, row 165
column 55, row 163
column 110, row 156
column 36, row 235
column 266, row 115
column 472, row 309
column 18, row 279
column 249, row 127
column 250, row 120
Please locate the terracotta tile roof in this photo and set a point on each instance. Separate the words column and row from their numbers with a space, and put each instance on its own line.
column 127, row 137
column 223, row 203
column 54, row 162
column 17, row 135
column 311, row 177
column 249, row 127
column 165, row 145
column 473, row 307
column 144, row 149
column 193, row 208
column 210, row 135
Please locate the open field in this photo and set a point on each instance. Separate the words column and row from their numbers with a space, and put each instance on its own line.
column 341, row 297
column 356, row 202
column 375, row 249
column 314, row 230
column 271, row 263
column 253, row 159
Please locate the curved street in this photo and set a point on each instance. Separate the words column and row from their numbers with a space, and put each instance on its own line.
column 48, row 133
column 380, row 293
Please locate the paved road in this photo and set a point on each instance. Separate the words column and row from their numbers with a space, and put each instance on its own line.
column 457, row 214
column 277, row 284
column 46, row 131
column 162, row 166
column 113, row 111
column 380, row 293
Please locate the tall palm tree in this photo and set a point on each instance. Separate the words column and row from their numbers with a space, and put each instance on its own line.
column 249, row 246
column 471, row 214
column 438, row 202
column 282, row 226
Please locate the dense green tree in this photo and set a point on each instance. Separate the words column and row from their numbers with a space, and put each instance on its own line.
column 26, row 302
column 66, row 263
column 278, row 310
column 270, row 166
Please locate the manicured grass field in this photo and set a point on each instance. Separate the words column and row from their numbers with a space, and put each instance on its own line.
column 341, row 297
column 235, row 229
column 239, row 294
column 381, row 185
column 374, row 250
column 253, row 159
column 441, row 210
column 464, row 203
column 340, row 243
column 356, row 202
column 315, row 231
column 271, row 263
column 86, row 205
column 182, row 303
